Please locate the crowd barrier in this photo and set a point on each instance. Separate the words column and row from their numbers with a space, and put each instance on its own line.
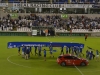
column 14, row 33
column 17, row 33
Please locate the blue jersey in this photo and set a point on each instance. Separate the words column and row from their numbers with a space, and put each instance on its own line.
column 23, row 49
column 44, row 52
column 91, row 54
column 81, row 50
column 28, row 51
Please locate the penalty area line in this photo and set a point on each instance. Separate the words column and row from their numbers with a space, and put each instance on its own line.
column 16, row 63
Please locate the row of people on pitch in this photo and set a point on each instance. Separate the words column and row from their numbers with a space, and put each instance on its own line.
column 90, row 55
column 27, row 50
column 72, row 50
column 38, row 50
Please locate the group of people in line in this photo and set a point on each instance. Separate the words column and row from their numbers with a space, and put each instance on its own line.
column 27, row 50
column 91, row 55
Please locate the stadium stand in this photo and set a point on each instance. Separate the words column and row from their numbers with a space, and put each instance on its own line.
column 54, row 1
column 78, row 23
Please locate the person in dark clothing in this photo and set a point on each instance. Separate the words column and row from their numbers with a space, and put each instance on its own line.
column 92, row 54
column 27, row 53
column 36, row 50
column 19, row 50
column 86, row 35
column 30, row 49
column 39, row 49
column 44, row 55
column 87, row 54
column 69, row 50
column 62, row 51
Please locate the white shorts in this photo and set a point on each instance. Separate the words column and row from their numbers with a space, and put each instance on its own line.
column 97, row 56
column 22, row 53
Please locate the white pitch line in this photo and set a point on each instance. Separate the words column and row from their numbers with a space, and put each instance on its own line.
column 78, row 69
column 16, row 63
column 74, row 65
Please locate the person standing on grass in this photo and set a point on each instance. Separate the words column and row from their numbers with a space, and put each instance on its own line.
column 72, row 51
column 81, row 51
column 97, row 55
column 67, row 49
column 51, row 51
column 90, row 55
column 19, row 50
column 30, row 49
column 44, row 55
column 39, row 50
column 62, row 51
column 87, row 54
column 23, row 51
column 75, row 50
column 86, row 35
column 27, row 53
column 35, row 50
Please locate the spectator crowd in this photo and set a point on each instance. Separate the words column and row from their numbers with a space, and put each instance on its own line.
column 77, row 22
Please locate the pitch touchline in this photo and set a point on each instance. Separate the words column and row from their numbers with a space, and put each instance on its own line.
column 74, row 65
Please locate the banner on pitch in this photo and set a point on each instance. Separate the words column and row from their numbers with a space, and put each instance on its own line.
column 44, row 44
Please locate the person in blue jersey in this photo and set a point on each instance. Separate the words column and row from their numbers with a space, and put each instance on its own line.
column 23, row 51
column 35, row 50
column 27, row 53
column 19, row 50
column 62, row 51
column 90, row 55
column 72, row 52
column 51, row 51
column 30, row 49
column 97, row 55
column 39, row 50
column 87, row 54
column 67, row 49
column 81, row 51
column 44, row 55
column 75, row 50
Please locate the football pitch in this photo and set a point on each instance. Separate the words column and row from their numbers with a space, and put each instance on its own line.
column 12, row 64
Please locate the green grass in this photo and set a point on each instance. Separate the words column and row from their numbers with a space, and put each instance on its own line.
column 16, row 65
